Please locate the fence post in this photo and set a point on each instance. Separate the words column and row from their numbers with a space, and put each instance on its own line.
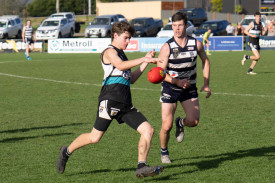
column 228, row 17
column 214, row 15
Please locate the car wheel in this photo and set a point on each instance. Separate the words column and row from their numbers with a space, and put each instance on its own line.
column 108, row 34
column 71, row 33
column 18, row 36
column 6, row 36
column 59, row 35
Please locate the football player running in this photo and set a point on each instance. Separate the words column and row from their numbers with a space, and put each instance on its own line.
column 179, row 55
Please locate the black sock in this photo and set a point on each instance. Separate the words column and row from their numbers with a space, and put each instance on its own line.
column 247, row 56
column 164, row 151
column 250, row 70
column 66, row 153
column 141, row 164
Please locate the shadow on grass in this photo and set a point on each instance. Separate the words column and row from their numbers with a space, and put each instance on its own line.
column 16, row 139
column 212, row 162
column 215, row 160
column 40, row 128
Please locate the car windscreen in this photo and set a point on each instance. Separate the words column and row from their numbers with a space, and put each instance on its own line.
column 167, row 27
column 138, row 23
column 3, row 24
column 246, row 21
column 57, row 16
column 50, row 23
column 100, row 21
column 205, row 26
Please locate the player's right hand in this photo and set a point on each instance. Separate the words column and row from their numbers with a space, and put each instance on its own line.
column 183, row 83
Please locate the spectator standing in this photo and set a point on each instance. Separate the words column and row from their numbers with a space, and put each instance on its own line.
column 239, row 30
column 230, row 29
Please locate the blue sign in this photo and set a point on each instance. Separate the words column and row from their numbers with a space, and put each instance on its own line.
column 217, row 43
column 225, row 43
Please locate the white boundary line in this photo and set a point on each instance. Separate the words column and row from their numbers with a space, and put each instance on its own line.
column 89, row 84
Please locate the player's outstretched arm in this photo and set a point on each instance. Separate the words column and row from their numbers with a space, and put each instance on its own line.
column 137, row 73
column 23, row 33
column 206, row 69
column 110, row 57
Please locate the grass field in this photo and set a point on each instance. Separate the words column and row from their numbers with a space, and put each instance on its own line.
column 51, row 100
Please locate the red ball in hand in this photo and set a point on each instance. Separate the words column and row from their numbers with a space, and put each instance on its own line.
column 156, row 75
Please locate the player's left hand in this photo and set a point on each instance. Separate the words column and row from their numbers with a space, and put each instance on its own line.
column 207, row 90
column 151, row 54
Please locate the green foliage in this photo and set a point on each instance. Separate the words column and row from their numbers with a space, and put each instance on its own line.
column 8, row 7
column 216, row 5
column 238, row 8
column 233, row 143
column 40, row 8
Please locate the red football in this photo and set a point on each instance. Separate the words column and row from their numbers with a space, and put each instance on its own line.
column 156, row 75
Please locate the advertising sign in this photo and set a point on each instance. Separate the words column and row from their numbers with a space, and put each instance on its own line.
column 217, row 43
column 266, row 43
column 17, row 45
column 92, row 45
column 225, row 43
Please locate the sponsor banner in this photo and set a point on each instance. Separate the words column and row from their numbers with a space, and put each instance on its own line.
column 147, row 44
column 82, row 45
column 266, row 43
column 225, row 43
column 217, row 43
column 17, row 45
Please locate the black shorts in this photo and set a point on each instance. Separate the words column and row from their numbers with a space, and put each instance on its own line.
column 170, row 95
column 29, row 41
column 123, row 113
column 254, row 46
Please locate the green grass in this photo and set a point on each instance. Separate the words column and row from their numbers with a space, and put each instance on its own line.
column 56, row 100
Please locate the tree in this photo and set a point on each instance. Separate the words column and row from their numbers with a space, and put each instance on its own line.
column 8, row 7
column 47, row 7
column 216, row 5
column 238, row 8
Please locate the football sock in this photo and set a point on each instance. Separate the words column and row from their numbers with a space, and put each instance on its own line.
column 164, row 151
column 66, row 153
column 247, row 57
column 180, row 123
column 250, row 70
column 141, row 164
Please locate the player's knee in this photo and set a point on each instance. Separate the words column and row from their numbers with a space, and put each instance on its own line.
column 94, row 140
column 257, row 57
column 166, row 127
column 192, row 122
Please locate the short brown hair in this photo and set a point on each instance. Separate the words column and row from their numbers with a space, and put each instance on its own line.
column 179, row 16
column 257, row 13
column 121, row 27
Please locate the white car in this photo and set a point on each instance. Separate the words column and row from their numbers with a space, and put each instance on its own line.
column 53, row 28
column 249, row 18
column 10, row 26
column 167, row 31
column 69, row 15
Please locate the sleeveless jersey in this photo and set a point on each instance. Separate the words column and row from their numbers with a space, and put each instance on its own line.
column 116, row 83
column 182, row 62
column 28, row 32
column 256, row 30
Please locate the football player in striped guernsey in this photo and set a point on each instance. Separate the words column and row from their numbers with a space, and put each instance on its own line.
column 254, row 30
column 179, row 55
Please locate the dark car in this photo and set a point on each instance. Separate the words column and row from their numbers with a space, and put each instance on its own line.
column 195, row 15
column 218, row 28
column 146, row 26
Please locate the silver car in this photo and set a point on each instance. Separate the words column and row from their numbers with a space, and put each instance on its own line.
column 101, row 26
column 10, row 26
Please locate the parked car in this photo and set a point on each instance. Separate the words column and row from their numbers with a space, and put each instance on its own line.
column 101, row 26
column 218, row 28
column 167, row 31
column 70, row 16
column 121, row 18
column 146, row 26
column 249, row 18
column 53, row 28
column 10, row 26
column 196, row 15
